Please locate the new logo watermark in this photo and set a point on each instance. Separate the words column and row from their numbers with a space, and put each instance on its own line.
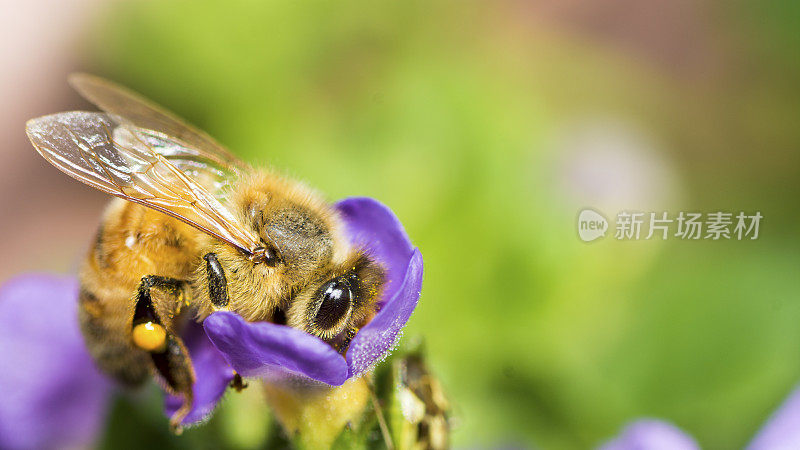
column 591, row 225
column 634, row 226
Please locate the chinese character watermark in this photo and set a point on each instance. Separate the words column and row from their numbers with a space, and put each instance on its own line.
column 629, row 225
column 690, row 226
column 661, row 225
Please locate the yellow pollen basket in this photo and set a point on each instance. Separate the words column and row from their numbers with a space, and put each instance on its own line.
column 150, row 336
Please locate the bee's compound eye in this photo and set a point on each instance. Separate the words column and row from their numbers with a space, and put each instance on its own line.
column 150, row 336
column 336, row 299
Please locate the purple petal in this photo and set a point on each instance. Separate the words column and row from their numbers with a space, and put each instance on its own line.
column 651, row 434
column 782, row 430
column 212, row 376
column 52, row 394
column 373, row 226
column 378, row 337
column 268, row 350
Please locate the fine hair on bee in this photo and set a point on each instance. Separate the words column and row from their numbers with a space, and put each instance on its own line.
column 196, row 230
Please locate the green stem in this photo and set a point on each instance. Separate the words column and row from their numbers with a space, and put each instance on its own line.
column 398, row 406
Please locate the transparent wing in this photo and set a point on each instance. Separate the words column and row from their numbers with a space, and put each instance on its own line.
column 121, row 160
column 196, row 146
column 213, row 176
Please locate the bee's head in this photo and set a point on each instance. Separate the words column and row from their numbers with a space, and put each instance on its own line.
column 330, row 301
column 339, row 301
column 309, row 276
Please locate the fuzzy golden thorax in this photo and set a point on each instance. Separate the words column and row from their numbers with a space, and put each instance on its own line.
column 309, row 236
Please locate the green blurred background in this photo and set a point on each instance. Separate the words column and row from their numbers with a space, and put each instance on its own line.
column 486, row 127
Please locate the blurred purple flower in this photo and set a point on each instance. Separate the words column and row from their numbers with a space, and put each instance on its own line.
column 651, row 434
column 66, row 401
column 52, row 395
column 780, row 432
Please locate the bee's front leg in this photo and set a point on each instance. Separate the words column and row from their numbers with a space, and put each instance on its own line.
column 350, row 333
column 217, row 283
column 150, row 333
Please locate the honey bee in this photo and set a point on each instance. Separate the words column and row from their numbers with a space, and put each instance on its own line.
column 195, row 230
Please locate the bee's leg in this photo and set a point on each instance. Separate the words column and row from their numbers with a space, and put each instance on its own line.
column 170, row 357
column 217, row 283
column 238, row 383
column 350, row 334
column 145, row 310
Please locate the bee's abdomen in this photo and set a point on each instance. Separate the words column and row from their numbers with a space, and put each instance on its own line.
column 107, row 339
column 131, row 243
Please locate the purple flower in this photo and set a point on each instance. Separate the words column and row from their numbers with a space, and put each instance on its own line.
column 780, row 432
column 52, row 395
column 651, row 434
column 57, row 397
